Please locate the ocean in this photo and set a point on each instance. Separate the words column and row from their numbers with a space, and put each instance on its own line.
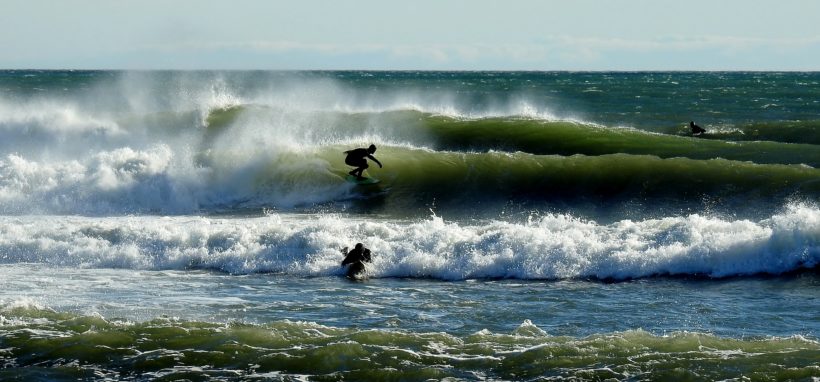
column 527, row 226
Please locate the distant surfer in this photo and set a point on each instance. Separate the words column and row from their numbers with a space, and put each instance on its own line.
column 696, row 130
column 358, row 158
column 356, row 259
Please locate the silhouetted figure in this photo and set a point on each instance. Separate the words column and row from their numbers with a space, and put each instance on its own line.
column 357, row 158
column 696, row 130
column 356, row 259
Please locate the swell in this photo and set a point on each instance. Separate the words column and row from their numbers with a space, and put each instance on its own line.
column 40, row 344
column 782, row 142
column 568, row 138
column 158, row 180
column 416, row 176
column 69, row 132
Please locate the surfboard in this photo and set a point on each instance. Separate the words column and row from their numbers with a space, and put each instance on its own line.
column 353, row 179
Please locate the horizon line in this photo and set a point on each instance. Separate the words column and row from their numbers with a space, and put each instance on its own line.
column 417, row 70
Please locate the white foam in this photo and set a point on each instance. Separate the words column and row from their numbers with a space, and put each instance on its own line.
column 104, row 182
column 550, row 247
column 159, row 179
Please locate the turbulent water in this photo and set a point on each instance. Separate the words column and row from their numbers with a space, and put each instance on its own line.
column 526, row 226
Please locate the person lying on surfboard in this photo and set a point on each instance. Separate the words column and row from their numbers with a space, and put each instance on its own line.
column 357, row 158
column 356, row 258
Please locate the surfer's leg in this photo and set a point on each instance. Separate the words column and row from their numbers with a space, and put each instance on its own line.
column 361, row 169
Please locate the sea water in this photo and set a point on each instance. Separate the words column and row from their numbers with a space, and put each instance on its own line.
column 527, row 226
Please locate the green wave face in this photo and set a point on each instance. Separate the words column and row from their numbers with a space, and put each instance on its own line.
column 494, row 161
column 568, row 138
column 784, row 142
column 417, row 177
column 41, row 345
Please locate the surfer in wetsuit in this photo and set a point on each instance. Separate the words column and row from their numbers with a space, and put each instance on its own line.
column 358, row 158
column 696, row 130
column 356, row 258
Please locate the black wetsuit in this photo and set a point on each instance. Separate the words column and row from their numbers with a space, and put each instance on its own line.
column 358, row 158
column 696, row 130
column 356, row 258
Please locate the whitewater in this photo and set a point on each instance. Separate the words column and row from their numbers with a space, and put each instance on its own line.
column 527, row 225
column 545, row 247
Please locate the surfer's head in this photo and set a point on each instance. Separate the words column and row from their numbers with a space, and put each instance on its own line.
column 371, row 149
column 359, row 245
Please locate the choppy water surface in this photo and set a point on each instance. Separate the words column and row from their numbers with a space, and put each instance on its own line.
column 527, row 226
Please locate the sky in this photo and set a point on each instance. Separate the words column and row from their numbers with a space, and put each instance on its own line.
column 411, row 35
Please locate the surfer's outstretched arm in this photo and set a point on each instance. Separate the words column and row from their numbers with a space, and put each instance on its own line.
column 375, row 160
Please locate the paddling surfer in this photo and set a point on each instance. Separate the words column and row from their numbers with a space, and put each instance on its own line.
column 696, row 130
column 356, row 259
column 358, row 158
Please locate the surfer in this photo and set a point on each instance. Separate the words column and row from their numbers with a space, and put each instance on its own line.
column 356, row 258
column 357, row 158
column 696, row 130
